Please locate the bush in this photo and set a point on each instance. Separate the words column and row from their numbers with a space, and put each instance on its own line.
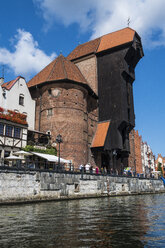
column 51, row 150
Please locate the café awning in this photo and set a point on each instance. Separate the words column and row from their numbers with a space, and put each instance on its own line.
column 51, row 158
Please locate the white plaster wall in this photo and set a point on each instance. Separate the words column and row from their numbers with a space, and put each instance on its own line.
column 12, row 101
column 1, row 97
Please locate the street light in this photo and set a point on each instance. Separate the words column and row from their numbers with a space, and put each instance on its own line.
column 59, row 140
column 114, row 160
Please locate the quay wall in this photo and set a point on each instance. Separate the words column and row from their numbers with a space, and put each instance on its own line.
column 19, row 186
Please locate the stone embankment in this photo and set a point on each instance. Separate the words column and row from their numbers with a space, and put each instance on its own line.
column 31, row 186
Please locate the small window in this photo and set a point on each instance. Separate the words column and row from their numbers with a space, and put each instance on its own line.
column 21, row 100
column 17, row 132
column 9, row 130
column 1, row 129
column 49, row 92
column 49, row 112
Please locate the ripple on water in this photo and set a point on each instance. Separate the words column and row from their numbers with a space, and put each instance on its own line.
column 133, row 221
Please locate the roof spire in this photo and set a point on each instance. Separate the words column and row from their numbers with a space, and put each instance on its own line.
column 128, row 21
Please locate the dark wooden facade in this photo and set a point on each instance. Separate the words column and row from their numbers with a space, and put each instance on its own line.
column 115, row 91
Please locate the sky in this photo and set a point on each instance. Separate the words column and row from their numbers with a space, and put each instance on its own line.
column 34, row 32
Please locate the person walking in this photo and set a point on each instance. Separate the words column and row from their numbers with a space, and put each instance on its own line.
column 87, row 167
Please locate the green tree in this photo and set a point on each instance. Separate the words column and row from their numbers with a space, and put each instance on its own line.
column 160, row 167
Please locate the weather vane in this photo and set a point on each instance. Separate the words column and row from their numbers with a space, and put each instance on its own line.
column 128, row 21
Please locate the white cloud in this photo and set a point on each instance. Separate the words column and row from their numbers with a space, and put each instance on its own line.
column 27, row 58
column 104, row 16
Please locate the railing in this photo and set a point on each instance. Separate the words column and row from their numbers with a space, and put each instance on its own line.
column 56, row 169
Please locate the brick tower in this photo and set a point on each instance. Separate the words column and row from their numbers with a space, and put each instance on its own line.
column 63, row 102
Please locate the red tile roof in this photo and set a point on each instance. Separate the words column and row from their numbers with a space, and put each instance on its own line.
column 101, row 134
column 10, row 84
column 59, row 69
column 84, row 49
column 103, row 43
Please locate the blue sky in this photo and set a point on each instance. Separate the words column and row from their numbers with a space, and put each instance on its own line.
column 34, row 32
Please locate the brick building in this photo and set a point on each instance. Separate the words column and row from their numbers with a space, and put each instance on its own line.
column 160, row 161
column 141, row 158
column 88, row 99
column 135, row 158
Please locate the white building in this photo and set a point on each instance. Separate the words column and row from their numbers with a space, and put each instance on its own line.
column 148, row 159
column 15, row 95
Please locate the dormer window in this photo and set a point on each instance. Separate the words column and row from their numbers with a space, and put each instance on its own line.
column 21, row 99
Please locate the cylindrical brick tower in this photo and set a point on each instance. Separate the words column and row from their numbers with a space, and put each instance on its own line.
column 62, row 99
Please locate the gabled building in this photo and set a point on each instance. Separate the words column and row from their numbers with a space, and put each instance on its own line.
column 141, row 158
column 15, row 96
column 160, row 163
column 88, row 99
column 148, row 158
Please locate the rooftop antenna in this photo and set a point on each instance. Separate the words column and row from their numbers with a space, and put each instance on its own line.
column 3, row 71
column 128, row 21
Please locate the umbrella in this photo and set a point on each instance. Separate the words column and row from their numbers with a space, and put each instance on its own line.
column 13, row 158
column 22, row 153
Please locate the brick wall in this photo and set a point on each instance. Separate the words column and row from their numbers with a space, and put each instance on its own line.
column 135, row 158
column 88, row 68
column 138, row 140
column 65, row 109
column 131, row 158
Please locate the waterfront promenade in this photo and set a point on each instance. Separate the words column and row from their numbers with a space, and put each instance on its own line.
column 18, row 185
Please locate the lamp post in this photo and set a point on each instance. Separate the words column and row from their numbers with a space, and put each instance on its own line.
column 59, row 140
column 114, row 160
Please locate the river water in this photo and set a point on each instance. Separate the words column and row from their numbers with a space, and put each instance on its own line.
column 129, row 221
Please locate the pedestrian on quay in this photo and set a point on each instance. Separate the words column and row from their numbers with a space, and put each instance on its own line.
column 97, row 170
column 81, row 167
column 91, row 169
column 87, row 167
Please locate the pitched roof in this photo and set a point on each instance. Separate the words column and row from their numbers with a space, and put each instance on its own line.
column 101, row 134
column 84, row 49
column 10, row 84
column 59, row 69
column 103, row 43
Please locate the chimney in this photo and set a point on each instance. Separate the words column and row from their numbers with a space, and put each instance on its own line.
column 1, row 81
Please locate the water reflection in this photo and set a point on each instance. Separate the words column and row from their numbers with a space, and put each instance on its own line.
column 133, row 221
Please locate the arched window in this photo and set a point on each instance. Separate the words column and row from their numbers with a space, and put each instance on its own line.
column 21, row 99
